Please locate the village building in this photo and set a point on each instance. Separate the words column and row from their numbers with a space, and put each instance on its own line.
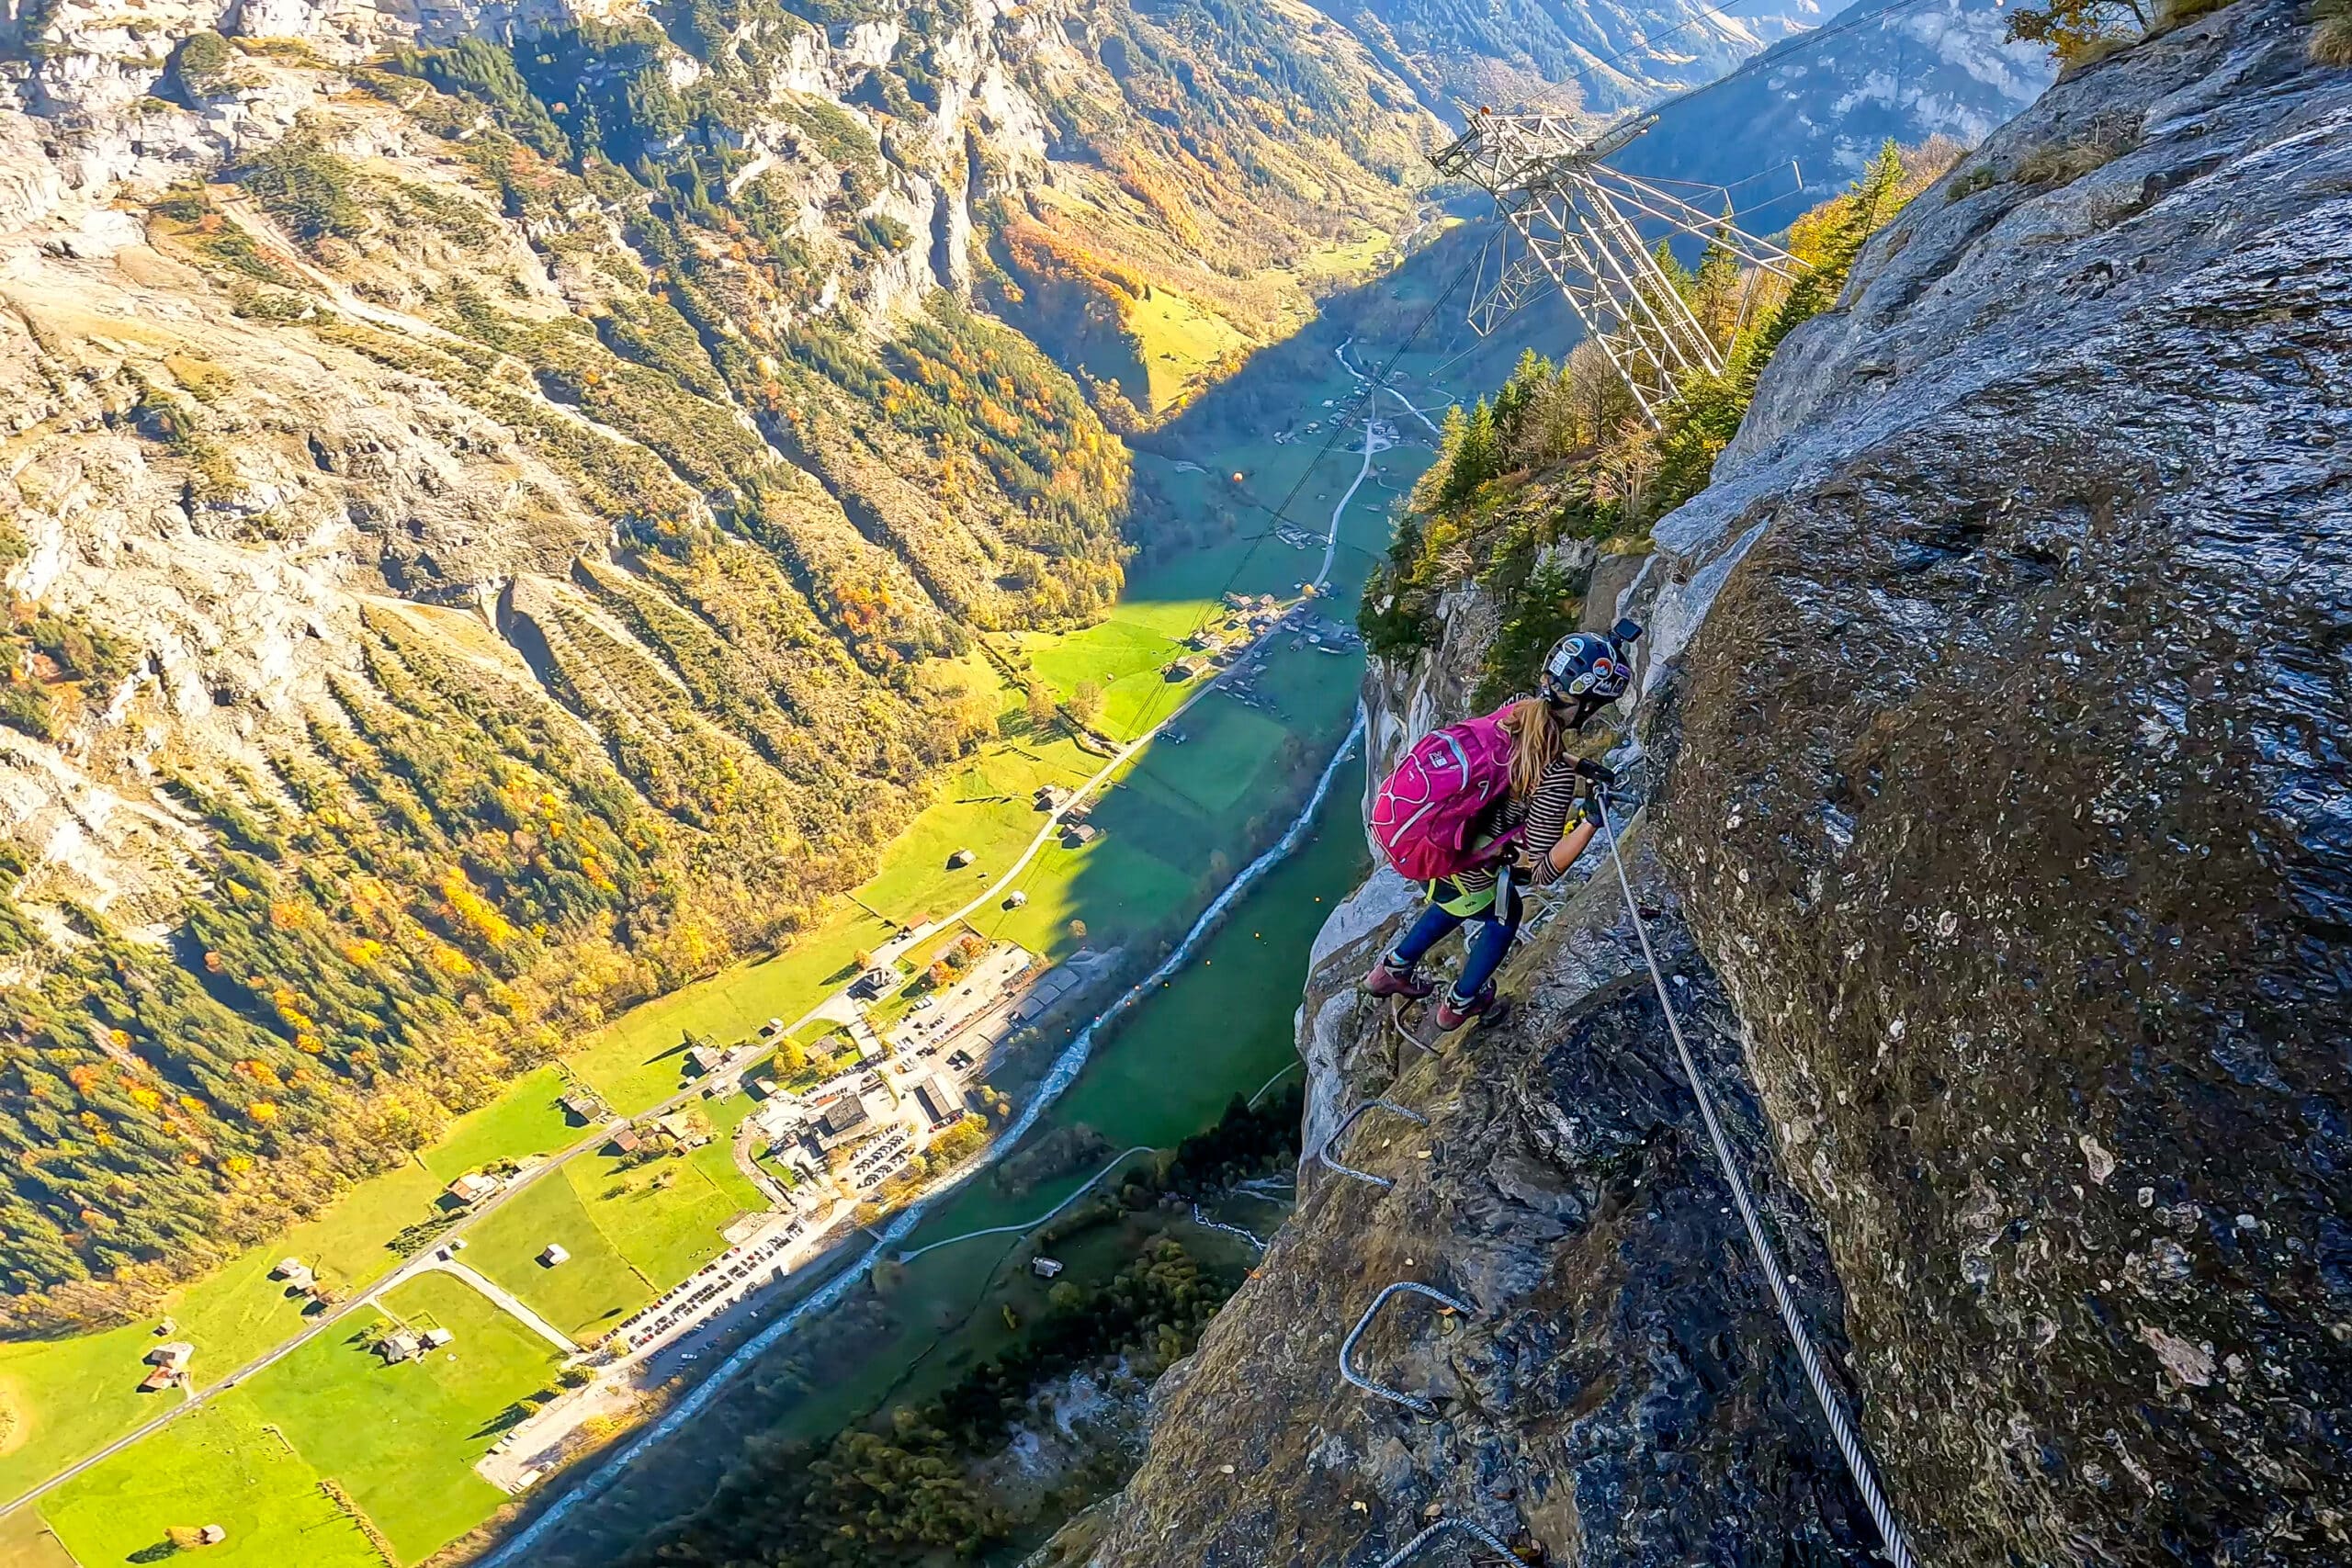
column 683, row 1127
column 582, row 1104
column 844, row 1123
column 1076, row 835
column 627, row 1142
column 296, row 1273
column 940, row 1099
column 705, row 1058
column 473, row 1187
column 398, row 1345
column 1049, row 797
column 771, row 1028
column 1053, row 985
column 167, row 1364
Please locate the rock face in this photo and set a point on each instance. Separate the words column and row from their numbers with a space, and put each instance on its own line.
column 1619, row 1391
column 1997, row 852
column 2010, row 803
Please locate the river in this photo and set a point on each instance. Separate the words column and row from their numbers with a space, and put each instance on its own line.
column 1213, row 1020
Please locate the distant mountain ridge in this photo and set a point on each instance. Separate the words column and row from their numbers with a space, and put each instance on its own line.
column 1567, row 54
column 1906, row 70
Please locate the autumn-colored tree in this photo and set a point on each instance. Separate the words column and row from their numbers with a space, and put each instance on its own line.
column 2072, row 30
column 1086, row 701
column 1040, row 705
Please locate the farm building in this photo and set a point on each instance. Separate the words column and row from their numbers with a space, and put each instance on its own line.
column 627, row 1142
column 167, row 1364
column 553, row 1254
column 473, row 1187
column 436, row 1337
column 397, row 1346
column 959, row 859
column 582, row 1104
column 1045, row 1268
column 210, row 1535
column 1016, row 899
column 1077, row 834
column 294, row 1272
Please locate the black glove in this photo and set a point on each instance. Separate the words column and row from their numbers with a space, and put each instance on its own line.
column 1588, row 768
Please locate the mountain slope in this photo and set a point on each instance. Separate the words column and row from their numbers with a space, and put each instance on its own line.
column 1992, row 852
column 495, row 523
column 1567, row 54
column 1908, row 70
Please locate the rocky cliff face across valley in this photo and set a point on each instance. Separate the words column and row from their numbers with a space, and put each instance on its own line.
column 1994, row 851
column 497, row 499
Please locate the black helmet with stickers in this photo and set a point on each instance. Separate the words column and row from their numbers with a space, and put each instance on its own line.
column 1589, row 669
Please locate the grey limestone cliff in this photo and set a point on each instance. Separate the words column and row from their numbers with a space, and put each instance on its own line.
column 1995, row 850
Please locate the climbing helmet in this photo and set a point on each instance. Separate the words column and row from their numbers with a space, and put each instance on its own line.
column 1589, row 665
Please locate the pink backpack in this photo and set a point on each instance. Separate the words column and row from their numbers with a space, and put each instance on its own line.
column 1424, row 814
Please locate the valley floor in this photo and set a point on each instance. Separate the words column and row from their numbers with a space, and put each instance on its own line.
column 307, row 1447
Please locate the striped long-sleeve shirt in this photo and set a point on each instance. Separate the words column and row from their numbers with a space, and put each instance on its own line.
column 1543, row 821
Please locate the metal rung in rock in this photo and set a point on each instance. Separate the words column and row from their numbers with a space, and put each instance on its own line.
column 1324, row 1153
column 1412, row 1402
column 1478, row 1533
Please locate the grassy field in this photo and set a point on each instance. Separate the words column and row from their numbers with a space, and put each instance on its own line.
column 526, row 1120
column 1177, row 341
column 638, row 1059
column 67, row 1397
column 663, row 1218
column 224, row 1465
column 403, row 1439
column 585, row 1295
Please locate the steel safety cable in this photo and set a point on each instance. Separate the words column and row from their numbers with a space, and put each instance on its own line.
column 1833, row 1407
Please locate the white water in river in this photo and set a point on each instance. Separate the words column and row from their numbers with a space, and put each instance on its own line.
column 1064, row 1072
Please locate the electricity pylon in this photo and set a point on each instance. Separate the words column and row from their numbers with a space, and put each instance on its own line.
column 1590, row 230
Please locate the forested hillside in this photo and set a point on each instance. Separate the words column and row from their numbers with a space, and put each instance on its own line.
column 496, row 515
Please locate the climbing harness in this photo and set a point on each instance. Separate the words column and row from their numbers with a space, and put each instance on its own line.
column 1849, row 1442
column 1415, row 1403
column 1323, row 1152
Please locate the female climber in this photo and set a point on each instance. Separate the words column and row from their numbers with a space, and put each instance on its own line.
column 1528, row 825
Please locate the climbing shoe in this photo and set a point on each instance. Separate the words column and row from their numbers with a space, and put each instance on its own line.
column 1486, row 1005
column 1387, row 980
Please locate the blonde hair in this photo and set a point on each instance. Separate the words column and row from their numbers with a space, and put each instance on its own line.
column 1537, row 740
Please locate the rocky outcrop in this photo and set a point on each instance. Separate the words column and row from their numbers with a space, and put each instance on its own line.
column 1619, row 1391
column 2009, row 805
column 1996, row 853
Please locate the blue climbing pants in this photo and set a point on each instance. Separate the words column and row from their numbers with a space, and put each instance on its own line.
column 1487, row 946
